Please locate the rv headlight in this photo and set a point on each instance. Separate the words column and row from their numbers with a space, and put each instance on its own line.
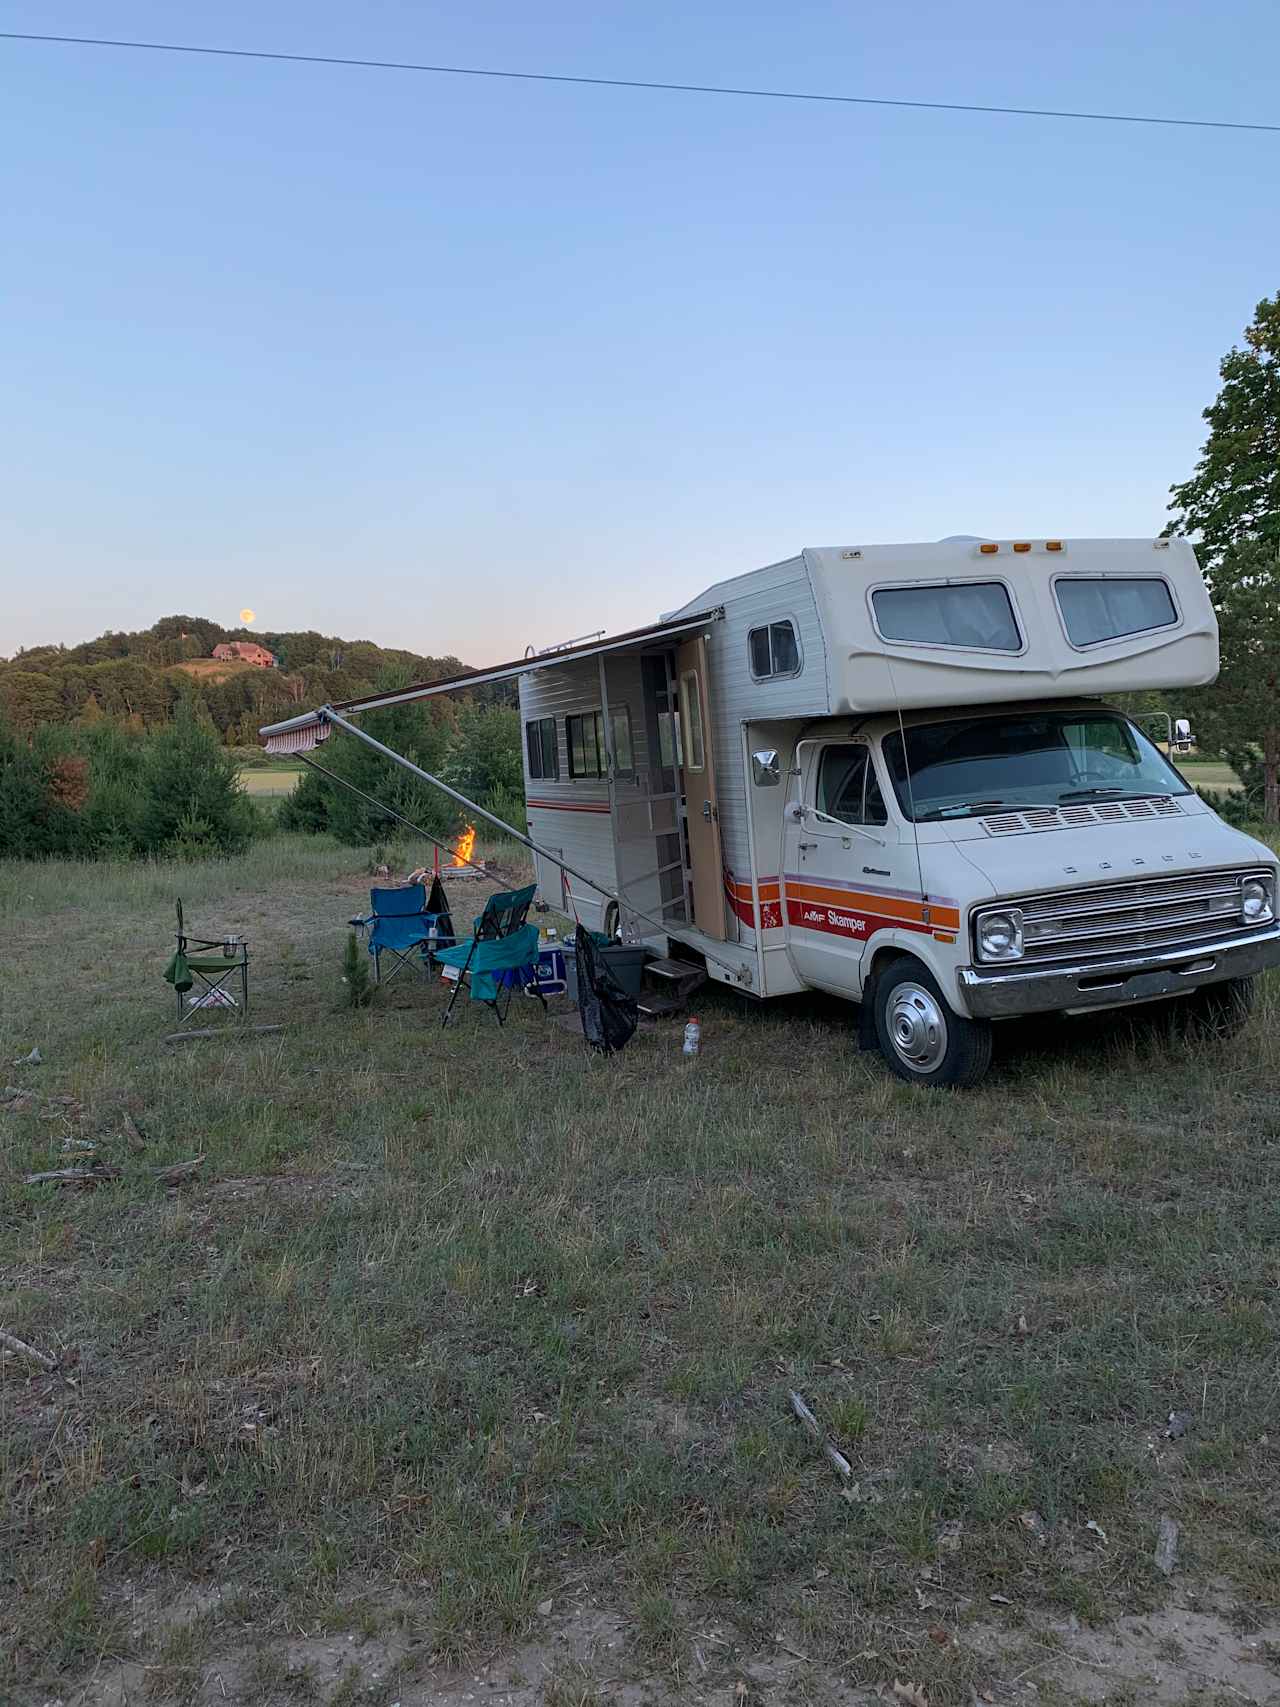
column 999, row 934
column 1257, row 900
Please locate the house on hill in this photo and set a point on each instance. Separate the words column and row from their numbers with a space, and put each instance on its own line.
column 247, row 652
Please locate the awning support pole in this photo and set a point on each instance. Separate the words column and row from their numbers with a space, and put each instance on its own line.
column 320, row 770
column 339, row 722
column 329, row 715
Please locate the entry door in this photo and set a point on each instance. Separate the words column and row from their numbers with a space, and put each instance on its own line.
column 701, row 802
column 834, row 872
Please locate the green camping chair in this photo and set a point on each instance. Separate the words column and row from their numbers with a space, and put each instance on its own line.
column 212, row 965
column 500, row 956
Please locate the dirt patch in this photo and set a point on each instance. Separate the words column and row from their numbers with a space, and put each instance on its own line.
column 587, row 1656
column 1179, row 1655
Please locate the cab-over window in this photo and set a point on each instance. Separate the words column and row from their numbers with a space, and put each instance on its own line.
column 774, row 650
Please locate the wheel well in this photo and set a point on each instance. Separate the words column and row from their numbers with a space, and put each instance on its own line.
column 885, row 956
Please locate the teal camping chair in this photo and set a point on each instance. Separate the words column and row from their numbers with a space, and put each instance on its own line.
column 500, row 956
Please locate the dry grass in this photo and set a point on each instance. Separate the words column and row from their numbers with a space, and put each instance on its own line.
column 452, row 1321
column 213, row 669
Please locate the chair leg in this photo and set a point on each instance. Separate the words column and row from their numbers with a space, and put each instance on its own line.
column 457, row 983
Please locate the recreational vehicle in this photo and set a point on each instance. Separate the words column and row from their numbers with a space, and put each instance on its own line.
column 891, row 772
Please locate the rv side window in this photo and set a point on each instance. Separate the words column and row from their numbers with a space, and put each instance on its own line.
column 774, row 651
column 1110, row 606
column 586, row 748
column 691, row 722
column 620, row 726
column 976, row 614
column 847, row 787
column 540, row 744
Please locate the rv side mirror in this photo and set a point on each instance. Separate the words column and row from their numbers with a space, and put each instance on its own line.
column 766, row 769
column 1181, row 729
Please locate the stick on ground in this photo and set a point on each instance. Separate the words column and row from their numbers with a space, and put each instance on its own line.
column 95, row 1175
column 20, row 1347
column 837, row 1460
column 221, row 1031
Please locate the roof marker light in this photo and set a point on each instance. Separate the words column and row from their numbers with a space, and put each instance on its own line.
column 1053, row 545
column 988, row 548
column 1022, row 545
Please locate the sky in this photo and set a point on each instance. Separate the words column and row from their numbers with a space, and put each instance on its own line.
column 465, row 366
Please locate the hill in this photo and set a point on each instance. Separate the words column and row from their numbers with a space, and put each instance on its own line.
column 139, row 677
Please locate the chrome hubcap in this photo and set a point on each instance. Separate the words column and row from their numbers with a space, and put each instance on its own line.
column 917, row 1027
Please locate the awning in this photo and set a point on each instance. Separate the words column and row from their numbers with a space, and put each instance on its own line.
column 301, row 734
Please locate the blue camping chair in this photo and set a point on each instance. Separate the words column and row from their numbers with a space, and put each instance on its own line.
column 501, row 955
column 400, row 925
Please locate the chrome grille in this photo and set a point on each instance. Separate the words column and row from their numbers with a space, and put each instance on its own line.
column 1031, row 818
column 1128, row 918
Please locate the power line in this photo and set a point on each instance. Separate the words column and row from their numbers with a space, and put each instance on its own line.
column 636, row 83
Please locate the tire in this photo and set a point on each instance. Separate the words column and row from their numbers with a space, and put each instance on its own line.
column 923, row 1040
column 1219, row 1010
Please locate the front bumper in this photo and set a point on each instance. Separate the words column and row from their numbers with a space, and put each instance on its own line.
column 1005, row 993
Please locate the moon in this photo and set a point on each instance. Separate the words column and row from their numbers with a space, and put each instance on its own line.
column 246, row 616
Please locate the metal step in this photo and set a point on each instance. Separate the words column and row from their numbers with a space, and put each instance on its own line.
column 658, row 1007
column 679, row 971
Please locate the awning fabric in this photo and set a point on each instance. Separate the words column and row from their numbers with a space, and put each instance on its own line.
column 301, row 740
column 301, row 734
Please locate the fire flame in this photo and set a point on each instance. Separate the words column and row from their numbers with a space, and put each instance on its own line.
column 466, row 846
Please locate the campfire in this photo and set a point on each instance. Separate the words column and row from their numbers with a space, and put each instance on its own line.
column 466, row 847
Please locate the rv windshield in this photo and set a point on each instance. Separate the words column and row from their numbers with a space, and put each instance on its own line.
column 1041, row 758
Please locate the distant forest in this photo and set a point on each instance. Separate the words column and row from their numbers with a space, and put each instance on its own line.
column 141, row 678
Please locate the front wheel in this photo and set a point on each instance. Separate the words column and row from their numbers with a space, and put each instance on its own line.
column 923, row 1040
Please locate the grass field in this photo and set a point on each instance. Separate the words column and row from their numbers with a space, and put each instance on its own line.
column 273, row 783
column 459, row 1370
column 1209, row 773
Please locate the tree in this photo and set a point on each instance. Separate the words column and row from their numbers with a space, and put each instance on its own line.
column 1234, row 494
column 28, row 699
column 1239, row 716
column 190, row 791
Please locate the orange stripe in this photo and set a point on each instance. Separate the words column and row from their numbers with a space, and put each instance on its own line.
column 884, row 906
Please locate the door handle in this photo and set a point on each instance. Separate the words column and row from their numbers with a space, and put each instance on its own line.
column 708, row 812
column 805, row 846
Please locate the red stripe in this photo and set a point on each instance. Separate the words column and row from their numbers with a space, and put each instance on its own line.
column 567, row 806
column 742, row 898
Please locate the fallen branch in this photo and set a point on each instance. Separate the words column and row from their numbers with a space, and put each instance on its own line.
column 831, row 1452
column 133, row 1137
column 221, row 1031
column 95, row 1175
column 1166, row 1546
column 20, row 1348
column 176, row 1172
column 173, row 1174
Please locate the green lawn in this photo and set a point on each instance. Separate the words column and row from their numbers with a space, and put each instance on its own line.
column 278, row 781
column 1208, row 773
column 460, row 1369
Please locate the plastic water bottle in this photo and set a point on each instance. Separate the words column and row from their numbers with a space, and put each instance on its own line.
column 692, row 1037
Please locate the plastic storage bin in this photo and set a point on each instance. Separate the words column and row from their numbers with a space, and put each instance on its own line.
column 623, row 960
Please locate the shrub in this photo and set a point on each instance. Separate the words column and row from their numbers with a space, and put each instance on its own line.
column 191, row 793
column 356, row 983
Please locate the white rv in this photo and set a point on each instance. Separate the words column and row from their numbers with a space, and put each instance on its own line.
column 890, row 772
